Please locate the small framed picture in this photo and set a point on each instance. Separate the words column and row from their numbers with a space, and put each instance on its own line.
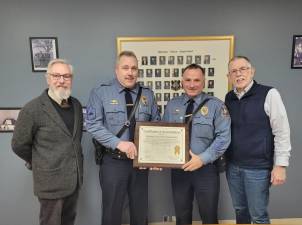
column 162, row 60
column 8, row 118
column 211, row 71
column 42, row 50
column 210, row 83
column 144, row 60
column 296, row 61
column 84, row 110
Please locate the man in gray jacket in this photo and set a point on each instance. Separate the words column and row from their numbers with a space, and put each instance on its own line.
column 47, row 137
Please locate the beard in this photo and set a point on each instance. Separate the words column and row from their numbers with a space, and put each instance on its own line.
column 61, row 93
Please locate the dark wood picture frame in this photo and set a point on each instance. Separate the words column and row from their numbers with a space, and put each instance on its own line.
column 42, row 50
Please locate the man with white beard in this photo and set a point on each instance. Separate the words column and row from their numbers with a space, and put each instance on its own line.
column 47, row 137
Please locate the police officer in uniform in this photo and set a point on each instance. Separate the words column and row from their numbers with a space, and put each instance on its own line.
column 107, row 111
column 209, row 138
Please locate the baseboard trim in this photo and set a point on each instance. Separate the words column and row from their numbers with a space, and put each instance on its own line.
column 283, row 221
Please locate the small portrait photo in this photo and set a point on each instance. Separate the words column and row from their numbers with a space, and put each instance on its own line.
column 150, row 84
column 175, row 72
column 167, row 85
column 210, row 83
column 149, row 73
column 296, row 59
column 157, row 72
column 211, row 71
column 160, row 108
column 189, row 59
column 207, row 59
column 157, row 85
column 158, row 97
column 8, row 118
column 167, row 72
column 197, row 59
column 141, row 83
column 166, row 97
column 180, row 60
column 162, row 60
column 152, row 60
column 175, row 95
column 175, row 85
column 84, row 110
column 171, row 60
column 211, row 93
column 144, row 60
column 140, row 73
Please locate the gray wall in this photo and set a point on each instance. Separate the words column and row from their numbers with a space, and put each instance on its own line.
column 87, row 32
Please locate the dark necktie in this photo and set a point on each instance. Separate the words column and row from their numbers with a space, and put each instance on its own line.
column 188, row 115
column 129, row 106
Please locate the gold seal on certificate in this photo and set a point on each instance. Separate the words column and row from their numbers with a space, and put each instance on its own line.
column 161, row 144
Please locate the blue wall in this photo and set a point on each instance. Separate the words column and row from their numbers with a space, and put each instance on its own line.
column 87, row 32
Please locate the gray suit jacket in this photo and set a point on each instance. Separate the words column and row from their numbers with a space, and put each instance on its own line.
column 42, row 138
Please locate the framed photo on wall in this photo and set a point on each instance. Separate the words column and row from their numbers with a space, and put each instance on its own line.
column 296, row 60
column 8, row 118
column 42, row 50
column 168, row 56
column 84, row 110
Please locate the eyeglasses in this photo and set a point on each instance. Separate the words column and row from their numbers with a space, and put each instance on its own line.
column 56, row 76
column 241, row 70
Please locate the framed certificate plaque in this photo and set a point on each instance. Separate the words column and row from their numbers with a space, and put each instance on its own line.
column 160, row 144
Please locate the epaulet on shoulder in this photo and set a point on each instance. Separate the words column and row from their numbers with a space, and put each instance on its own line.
column 144, row 87
column 215, row 99
column 105, row 84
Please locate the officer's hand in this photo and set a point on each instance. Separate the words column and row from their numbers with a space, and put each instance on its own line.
column 278, row 175
column 127, row 147
column 194, row 164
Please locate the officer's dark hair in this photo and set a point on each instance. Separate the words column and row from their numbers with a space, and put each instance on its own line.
column 127, row 54
column 194, row 67
column 240, row 57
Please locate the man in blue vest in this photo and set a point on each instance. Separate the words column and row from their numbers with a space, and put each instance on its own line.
column 260, row 148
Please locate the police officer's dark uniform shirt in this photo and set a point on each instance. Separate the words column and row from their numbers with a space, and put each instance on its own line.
column 211, row 134
column 107, row 113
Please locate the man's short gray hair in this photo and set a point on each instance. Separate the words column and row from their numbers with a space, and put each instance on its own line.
column 59, row 61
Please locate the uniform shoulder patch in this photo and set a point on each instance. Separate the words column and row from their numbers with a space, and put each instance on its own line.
column 91, row 113
column 225, row 111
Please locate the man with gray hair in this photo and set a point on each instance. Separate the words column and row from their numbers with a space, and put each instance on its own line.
column 260, row 147
column 47, row 137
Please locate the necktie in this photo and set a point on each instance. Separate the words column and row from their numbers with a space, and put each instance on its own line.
column 189, row 112
column 129, row 106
